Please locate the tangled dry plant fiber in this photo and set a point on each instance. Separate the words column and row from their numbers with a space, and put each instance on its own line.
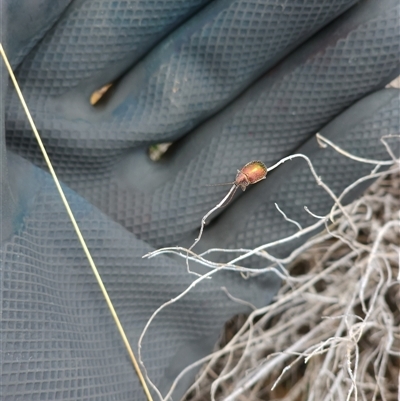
column 333, row 333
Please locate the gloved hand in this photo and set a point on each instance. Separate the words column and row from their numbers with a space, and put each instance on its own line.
column 228, row 82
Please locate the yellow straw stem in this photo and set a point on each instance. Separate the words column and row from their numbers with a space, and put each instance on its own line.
column 76, row 227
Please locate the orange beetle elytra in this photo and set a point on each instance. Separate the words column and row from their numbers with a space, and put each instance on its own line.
column 251, row 173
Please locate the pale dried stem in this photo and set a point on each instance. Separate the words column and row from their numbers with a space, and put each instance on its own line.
column 343, row 373
column 354, row 272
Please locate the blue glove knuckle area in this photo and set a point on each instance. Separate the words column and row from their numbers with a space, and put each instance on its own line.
column 93, row 36
column 163, row 203
column 189, row 76
column 221, row 48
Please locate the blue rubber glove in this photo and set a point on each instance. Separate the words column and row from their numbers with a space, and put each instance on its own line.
column 228, row 82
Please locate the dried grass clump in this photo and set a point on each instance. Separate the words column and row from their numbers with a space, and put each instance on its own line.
column 333, row 332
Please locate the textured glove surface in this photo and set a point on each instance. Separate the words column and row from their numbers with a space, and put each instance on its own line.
column 228, row 82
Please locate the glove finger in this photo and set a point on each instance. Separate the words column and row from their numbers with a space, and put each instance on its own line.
column 193, row 73
column 163, row 202
column 94, row 42
column 227, row 43
column 212, row 58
